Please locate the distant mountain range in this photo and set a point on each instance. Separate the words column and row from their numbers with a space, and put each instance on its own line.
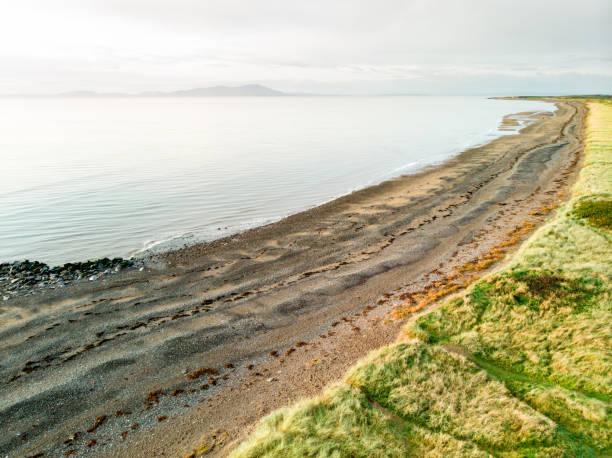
column 249, row 90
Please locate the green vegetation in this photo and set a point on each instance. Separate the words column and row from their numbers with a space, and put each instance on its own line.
column 520, row 364
column 598, row 213
column 582, row 98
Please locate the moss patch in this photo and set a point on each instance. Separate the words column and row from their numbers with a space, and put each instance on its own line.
column 598, row 213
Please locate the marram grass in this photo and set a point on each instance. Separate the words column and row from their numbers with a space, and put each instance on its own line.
column 520, row 364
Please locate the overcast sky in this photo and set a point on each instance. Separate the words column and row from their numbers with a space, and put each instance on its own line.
column 324, row 46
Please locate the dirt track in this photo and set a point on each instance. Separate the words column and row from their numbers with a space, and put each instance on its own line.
column 69, row 357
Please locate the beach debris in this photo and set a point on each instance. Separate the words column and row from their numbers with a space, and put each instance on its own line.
column 201, row 371
column 97, row 423
column 72, row 438
column 153, row 398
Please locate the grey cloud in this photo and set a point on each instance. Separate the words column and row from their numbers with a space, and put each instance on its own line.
column 457, row 44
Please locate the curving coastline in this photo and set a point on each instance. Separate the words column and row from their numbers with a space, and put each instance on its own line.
column 131, row 201
column 96, row 349
column 515, row 364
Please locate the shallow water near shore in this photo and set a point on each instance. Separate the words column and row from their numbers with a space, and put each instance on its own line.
column 93, row 177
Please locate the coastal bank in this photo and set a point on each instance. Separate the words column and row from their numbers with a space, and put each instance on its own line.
column 517, row 365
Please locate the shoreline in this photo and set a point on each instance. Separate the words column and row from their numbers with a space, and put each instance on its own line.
column 33, row 277
column 165, row 237
column 507, row 123
column 252, row 297
column 163, row 255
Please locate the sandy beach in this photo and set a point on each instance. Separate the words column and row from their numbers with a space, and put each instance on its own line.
column 207, row 339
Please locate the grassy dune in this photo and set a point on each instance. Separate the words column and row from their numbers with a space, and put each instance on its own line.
column 520, row 364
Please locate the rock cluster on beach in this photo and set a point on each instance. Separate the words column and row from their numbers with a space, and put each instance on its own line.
column 24, row 278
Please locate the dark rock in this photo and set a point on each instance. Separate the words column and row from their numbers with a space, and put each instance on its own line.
column 25, row 277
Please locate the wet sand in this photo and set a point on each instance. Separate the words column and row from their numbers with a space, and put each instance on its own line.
column 209, row 338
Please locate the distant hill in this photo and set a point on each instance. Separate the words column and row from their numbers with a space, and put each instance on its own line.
column 249, row 90
column 84, row 94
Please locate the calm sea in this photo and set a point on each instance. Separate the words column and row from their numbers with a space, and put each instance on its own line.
column 91, row 177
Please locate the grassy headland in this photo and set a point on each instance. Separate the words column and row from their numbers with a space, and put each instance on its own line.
column 519, row 364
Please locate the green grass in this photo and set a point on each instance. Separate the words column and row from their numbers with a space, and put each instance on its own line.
column 520, row 364
column 597, row 212
column 345, row 422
